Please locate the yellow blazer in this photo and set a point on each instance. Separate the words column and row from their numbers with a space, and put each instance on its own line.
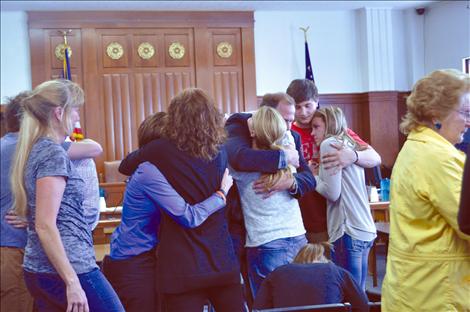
column 428, row 264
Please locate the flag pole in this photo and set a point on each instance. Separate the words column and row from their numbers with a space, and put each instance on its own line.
column 66, row 68
column 305, row 29
column 308, row 65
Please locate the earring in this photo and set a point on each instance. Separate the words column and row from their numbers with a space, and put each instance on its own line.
column 438, row 125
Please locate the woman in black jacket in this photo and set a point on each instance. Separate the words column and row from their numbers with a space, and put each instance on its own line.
column 194, row 265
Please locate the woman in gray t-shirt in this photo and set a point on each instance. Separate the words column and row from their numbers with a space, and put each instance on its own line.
column 59, row 263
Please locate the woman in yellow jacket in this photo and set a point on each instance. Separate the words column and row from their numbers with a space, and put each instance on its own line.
column 428, row 265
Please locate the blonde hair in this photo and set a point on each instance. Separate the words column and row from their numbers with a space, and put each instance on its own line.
column 337, row 126
column 434, row 97
column 269, row 128
column 312, row 252
column 37, row 121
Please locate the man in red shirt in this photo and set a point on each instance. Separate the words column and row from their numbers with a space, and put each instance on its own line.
column 313, row 205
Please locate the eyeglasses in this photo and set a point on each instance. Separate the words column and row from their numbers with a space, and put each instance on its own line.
column 464, row 114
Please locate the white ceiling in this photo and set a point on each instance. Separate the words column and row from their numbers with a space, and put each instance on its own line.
column 205, row 5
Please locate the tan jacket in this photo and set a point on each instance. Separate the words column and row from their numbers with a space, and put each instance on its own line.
column 428, row 264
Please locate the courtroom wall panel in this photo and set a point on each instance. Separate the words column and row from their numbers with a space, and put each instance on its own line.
column 131, row 64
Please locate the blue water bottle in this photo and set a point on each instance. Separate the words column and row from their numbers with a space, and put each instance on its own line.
column 385, row 189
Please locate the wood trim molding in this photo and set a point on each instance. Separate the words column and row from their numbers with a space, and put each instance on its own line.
column 116, row 19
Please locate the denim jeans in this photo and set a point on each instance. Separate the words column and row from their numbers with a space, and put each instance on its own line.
column 49, row 292
column 352, row 254
column 263, row 259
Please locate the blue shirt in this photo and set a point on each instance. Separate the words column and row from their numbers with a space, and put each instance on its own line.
column 147, row 192
column 10, row 236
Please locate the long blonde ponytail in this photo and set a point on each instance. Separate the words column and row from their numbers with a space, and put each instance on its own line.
column 37, row 122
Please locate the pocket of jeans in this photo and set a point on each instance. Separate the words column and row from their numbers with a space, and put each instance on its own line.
column 271, row 258
column 359, row 245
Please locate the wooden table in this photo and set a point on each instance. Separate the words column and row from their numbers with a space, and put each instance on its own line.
column 383, row 232
column 111, row 213
column 380, row 211
column 104, row 229
column 101, row 250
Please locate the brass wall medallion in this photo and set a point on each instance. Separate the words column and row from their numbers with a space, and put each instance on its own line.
column 176, row 50
column 146, row 50
column 115, row 50
column 60, row 51
column 224, row 49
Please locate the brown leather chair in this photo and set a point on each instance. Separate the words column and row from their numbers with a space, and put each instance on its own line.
column 111, row 172
column 114, row 183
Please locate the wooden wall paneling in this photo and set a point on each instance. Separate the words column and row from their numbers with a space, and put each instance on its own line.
column 118, row 117
column 38, row 54
column 383, row 118
column 227, row 90
column 401, row 109
column 94, row 121
column 248, row 65
column 108, row 117
column 185, row 41
column 119, row 84
column 121, row 93
column 159, row 94
column 144, row 19
column 73, row 40
column 152, row 41
column 227, row 71
column 107, row 41
column 355, row 108
column 202, row 57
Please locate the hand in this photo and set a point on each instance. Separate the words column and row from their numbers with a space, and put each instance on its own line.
column 15, row 221
column 284, row 183
column 292, row 156
column 227, row 181
column 314, row 167
column 338, row 159
column 76, row 298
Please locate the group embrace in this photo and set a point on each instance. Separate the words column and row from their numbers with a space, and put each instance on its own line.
column 264, row 209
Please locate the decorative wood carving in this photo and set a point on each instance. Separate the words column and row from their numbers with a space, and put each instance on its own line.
column 146, row 50
column 156, row 41
column 115, row 50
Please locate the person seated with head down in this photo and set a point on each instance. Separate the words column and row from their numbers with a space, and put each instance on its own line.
column 275, row 231
column 311, row 279
column 131, row 266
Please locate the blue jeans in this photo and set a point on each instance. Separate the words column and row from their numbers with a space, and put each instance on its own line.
column 352, row 254
column 48, row 291
column 263, row 259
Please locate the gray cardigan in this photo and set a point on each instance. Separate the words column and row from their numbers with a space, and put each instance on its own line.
column 348, row 207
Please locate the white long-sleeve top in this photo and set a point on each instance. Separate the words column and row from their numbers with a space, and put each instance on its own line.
column 348, row 207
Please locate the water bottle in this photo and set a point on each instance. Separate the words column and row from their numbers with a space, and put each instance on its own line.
column 102, row 200
column 385, row 189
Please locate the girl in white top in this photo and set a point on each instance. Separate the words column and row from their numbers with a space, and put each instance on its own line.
column 350, row 225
